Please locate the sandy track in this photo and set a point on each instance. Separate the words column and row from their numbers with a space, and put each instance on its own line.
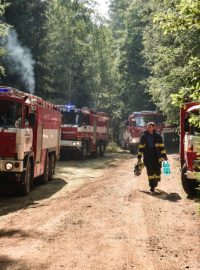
column 99, row 216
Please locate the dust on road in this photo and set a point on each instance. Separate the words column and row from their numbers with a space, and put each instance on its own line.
column 96, row 215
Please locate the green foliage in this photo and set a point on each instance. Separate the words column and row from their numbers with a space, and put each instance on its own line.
column 65, row 33
column 112, row 147
column 146, row 56
column 184, row 16
column 172, row 55
column 27, row 18
column 127, row 24
column 3, row 34
column 74, row 51
column 105, row 74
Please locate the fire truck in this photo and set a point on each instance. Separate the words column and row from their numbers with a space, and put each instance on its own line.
column 29, row 138
column 189, row 148
column 131, row 130
column 83, row 131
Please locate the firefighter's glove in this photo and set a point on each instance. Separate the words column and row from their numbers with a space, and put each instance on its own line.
column 139, row 161
column 138, row 169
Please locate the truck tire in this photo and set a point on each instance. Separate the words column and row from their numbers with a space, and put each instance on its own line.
column 98, row 150
column 123, row 145
column 26, row 180
column 102, row 149
column 45, row 177
column 82, row 152
column 96, row 154
column 52, row 162
column 189, row 186
column 133, row 149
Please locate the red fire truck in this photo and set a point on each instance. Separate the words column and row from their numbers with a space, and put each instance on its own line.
column 130, row 131
column 189, row 148
column 83, row 131
column 29, row 138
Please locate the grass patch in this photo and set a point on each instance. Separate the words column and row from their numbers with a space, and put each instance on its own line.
column 112, row 148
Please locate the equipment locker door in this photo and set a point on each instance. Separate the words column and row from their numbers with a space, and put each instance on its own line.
column 95, row 130
column 39, row 143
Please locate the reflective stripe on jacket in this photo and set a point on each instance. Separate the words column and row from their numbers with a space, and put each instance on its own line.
column 159, row 147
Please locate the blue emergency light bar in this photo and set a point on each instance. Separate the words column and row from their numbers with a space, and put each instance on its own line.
column 4, row 90
column 70, row 107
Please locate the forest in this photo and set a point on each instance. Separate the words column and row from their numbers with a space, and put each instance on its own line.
column 145, row 56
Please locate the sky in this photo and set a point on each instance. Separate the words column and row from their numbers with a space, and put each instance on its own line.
column 103, row 7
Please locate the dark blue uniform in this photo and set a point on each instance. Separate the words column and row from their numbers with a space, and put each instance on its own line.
column 152, row 149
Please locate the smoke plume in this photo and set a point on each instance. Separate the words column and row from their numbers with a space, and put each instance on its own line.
column 20, row 61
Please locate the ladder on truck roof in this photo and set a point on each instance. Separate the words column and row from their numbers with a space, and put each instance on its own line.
column 28, row 98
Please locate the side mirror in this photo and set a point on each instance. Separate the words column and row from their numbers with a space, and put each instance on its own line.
column 32, row 119
column 186, row 125
column 84, row 125
column 126, row 123
column 133, row 122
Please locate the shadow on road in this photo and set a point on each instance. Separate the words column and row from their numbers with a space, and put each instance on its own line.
column 160, row 194
column 9, row 263
column 6, row 262
column 9, row 233
column 109, row 160
column 107, row 156
column 10, row 203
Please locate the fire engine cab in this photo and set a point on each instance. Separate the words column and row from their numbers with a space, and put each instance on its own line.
column 29, row 138
column 189, row 148
column 83, row 131
column 131, row 130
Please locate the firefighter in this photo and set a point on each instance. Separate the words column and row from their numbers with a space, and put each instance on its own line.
column 152, row 149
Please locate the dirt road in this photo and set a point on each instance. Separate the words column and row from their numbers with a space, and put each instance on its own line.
column 96, row 215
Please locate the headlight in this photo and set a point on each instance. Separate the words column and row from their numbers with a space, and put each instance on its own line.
column 9, row 166
column 76, row 143
column 134, row 140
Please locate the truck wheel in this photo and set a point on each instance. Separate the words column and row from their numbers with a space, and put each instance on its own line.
column 102, row 149
column 26, row 178
column 123, row 146
column 82, row 153
column 189, row 186
column 97, row 154
column 52, row 162
column 133, row 149
column 45, row 176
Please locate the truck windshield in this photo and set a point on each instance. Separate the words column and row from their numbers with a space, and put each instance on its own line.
column 70, row 118
column 10, row 113
column 142, row 120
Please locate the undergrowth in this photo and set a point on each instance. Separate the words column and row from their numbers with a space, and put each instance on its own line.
column 112, row 147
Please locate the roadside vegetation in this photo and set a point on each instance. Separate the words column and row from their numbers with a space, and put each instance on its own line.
column 112, row 147
column 145, row 56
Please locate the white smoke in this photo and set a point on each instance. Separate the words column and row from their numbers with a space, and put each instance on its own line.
column 21, row 61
